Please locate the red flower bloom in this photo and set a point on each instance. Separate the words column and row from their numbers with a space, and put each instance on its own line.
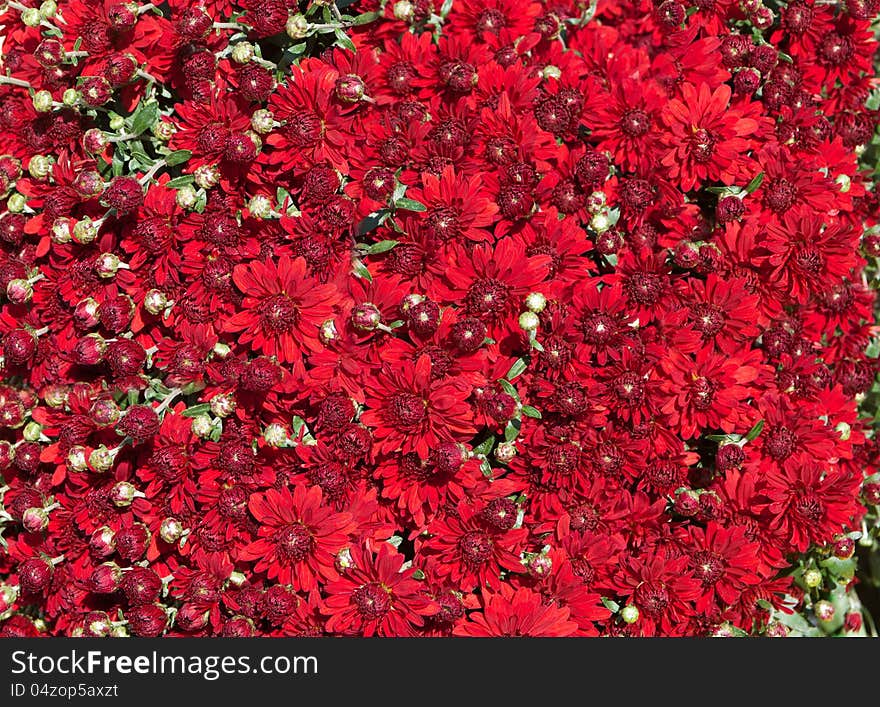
column 411, row 412
column 282, row 309
column 516, row 612
column 375, row 597
column 298, row 537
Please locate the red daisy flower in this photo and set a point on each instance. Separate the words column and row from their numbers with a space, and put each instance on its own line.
column 412, row 412
column 298, row 537
column 707, row 137
column 282, row 310
column 376, row 597
column 517, row 612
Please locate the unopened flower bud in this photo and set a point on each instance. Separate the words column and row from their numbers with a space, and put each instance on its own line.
column 86, row 313
column 529, row 321
column 107, row 265
column 539, row 565
column 186, row 197
column 31, row 17
column 221, row 350
column 629, row 614
column 164, row 130
column 344, row 560
column 505, row 452
column 297, row 26
column 202, row 426
column 102, row 542
column 327, row 332
column 35, row 520
column 171, row 530
column 223, row 405
column 207, row 177
column 70, row 97
column 844, row 547
column 77, row 459
column 350, row 88
column 122, row 494
column 260, row 206
column 263, row 121
column 812, row 578
column 536, row 302
column 404, row 11
column 824, row 610
column 600, row 222
column 62, row 230
column 242, row 52
column 366, row 317
column 40, row 166
column 155, row 301
column 19, row 291
column 276, row 435
column 117, row 122
column 85, row 231
column 15, row 203
column 101, row 460
column 32, row 431
column 48, row 9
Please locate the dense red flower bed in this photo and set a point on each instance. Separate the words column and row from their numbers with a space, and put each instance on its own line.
column 484, row 318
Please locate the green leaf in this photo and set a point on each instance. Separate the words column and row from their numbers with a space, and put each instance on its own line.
column 365, row 19
column 844, row 569
column 381, row 247
column 182, row 181
column 755, row 183
column 360, row 270
column 144, row 117
column 344, row 41
column 509, row 389
column 611, row 605
column 529, row 411
column 755, row 431
column 409, row 205
column 517, row 369
column 485, row 446
column 486, row 469
column 196, row 410
column 178, row 157
column 764, row 604
column 511, row 432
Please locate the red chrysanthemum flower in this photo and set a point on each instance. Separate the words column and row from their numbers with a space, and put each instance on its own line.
column 376, row 597
column 412, row 412
column 298, row 537
column 282, row 310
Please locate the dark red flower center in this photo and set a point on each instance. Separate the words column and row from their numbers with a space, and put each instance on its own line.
column 563, row 458
column 652, row 599
column 635, row 123
column 304, row 129
column 475, row 548
column 701, row 145
column 780, row 195
column 702, row 393
column 643, row 287
column 407, row 410
column 490, row 20
column 708, row 319
column 836, row 49
column 709, row 566
column 487, row 296
column 372, row 600
column 295, row 542
column 279, row 314
column 780, row 443
column 808, row 507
